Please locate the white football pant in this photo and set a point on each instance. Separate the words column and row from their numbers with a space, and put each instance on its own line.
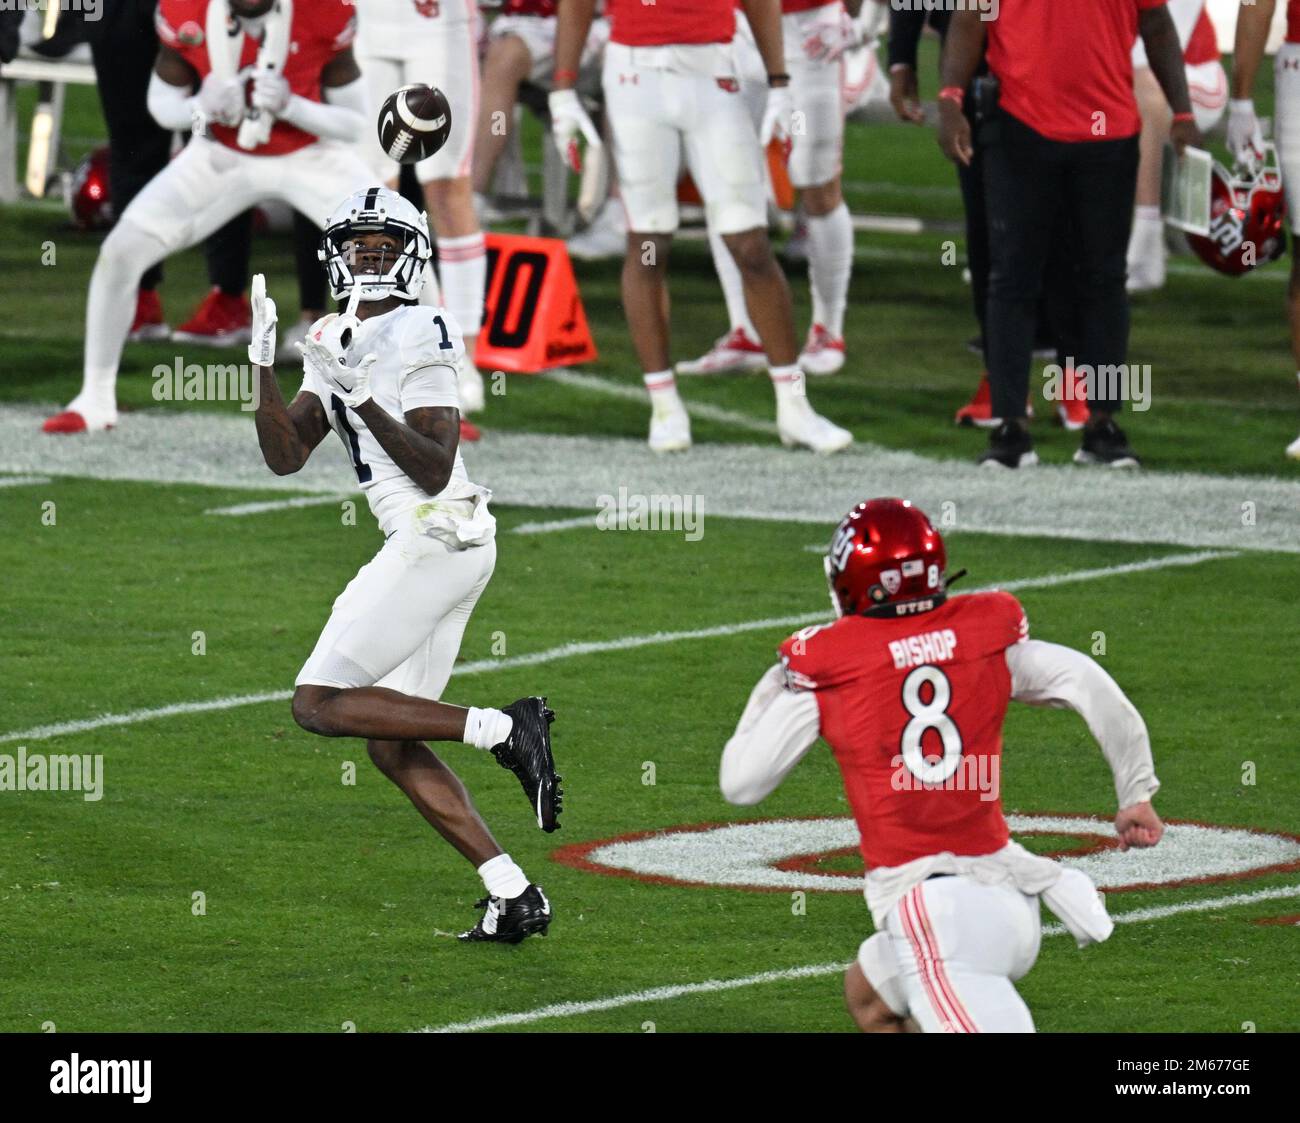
column 1286, row 124
column 957, row 946
column 400, row 620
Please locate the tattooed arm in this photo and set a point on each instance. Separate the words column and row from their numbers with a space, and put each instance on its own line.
column 424, row 447
column 286, row 434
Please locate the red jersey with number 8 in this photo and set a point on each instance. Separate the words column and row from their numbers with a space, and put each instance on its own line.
column 913, row 707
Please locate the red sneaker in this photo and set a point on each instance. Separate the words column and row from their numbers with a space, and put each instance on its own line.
column 148, row 323
column 69, row 421
column 735, row 351
column 979, row 410
column 1072, row 409
column 823, row 353
column 220, row 321
column 469, row 431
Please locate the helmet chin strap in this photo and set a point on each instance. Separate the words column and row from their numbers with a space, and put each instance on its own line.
column 830, row 585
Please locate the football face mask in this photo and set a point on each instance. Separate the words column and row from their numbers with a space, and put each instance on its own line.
column 380, row 273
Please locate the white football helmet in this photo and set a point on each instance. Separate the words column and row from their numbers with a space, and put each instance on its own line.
column 365, row 212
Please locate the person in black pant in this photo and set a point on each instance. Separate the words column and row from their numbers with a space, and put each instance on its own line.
column 1062, row 143
column 906, row 26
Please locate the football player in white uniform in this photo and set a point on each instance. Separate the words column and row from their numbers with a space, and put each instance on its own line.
column 400, row 42
column 1245, row 138
column 383, row 376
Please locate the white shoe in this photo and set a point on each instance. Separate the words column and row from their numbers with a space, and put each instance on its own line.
column 1293, row 449
column 735, row 351
column 470, row 384
column 670, row 429
column 605, row 236
column 1146, row 257
column 798, row 424
column 823, row 353
column 285, row 352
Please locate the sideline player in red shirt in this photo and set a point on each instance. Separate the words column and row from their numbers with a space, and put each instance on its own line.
column 281, row 132
column 910, row 688
column 671, row 88
column 1245, row 138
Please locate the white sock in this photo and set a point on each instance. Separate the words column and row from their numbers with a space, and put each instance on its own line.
column 502, row 878
column 485, row 729
column 788, row 382
column 733, row 288
column 1146, row 212
column 663, row 391
column 462, row 264
column 830, row 261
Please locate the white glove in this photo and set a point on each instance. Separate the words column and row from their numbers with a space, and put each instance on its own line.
column 222, row 99
column 261, row 348
column 568, row 118
column 777, row 115
column 830, row 40
column 350, row 383
column 1245, row 138
column 271, row 92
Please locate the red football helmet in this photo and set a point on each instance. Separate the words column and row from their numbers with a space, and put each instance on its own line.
column 88, row 195
column 886, row 559
column 1247, row 217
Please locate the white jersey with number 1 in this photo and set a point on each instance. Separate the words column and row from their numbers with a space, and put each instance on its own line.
column 418, row 353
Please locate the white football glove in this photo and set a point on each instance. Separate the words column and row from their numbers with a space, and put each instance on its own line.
column 1245, row 138
column 271, row 92
column 350, row 383
column 261, row 348
column 831, row 38
column 568, row 118
column 222, row 99
column 777, row 115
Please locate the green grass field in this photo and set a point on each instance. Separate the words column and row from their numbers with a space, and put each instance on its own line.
column 326, row 902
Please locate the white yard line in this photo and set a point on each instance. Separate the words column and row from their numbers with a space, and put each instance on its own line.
column 23, row 481
column 556, row 524
column 281, row 504
column 629, row 392
column 591, row 647
column 813, row 970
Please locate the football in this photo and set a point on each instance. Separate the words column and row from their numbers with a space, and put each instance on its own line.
column 414, row 122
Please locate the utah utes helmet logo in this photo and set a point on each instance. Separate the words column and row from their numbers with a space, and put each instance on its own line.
column 1247, row 217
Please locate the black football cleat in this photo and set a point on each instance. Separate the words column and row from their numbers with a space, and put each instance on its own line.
column 511, row 920
column 527, row 753
column 1105, row 443
column 1010, row 446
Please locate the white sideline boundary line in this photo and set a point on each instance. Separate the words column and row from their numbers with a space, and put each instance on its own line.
column 591, row 647
column 281, row 504
column 705, row 410
column 812, row 970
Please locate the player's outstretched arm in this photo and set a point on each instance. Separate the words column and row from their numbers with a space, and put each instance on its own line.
column 778, row 727
column 1048, row 674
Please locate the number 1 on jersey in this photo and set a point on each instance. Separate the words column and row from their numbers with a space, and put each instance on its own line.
column 361, row 468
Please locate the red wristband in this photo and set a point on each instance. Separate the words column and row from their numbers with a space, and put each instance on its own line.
column 1184, row 116
column 955, row 94
column 565, row 76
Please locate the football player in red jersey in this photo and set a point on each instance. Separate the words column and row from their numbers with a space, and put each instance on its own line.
column 277, row 103
column 910, row 688
column 1245, row 138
